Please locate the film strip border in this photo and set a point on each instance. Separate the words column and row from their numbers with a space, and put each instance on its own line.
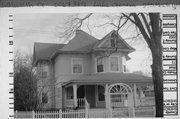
column 11, row 73
column 170, row 64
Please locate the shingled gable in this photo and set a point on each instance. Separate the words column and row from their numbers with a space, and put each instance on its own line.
column 82, row 42
column 104, row 43
column 43, row 51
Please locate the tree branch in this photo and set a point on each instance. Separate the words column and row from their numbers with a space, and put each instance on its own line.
column 147, row 26
column 141, row 28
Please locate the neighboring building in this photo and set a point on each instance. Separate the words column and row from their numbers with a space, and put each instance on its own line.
column 89, row 69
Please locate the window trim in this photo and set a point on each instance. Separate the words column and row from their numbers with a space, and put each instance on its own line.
column 110, row 63
column 81, row 62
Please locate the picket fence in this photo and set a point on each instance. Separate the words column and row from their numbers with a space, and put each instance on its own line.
column 51, row 114
column 148, row 111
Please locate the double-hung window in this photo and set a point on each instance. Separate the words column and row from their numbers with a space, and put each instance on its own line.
column 43, row 70
column 44, row 98
column 114, row 64
column 100, row 64
column 77, row 67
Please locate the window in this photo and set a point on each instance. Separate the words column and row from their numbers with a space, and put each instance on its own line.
column 113, row 44
column 43, row 70
column 100, row 63
column 101, row 92
column 77, row 65
column 114, row 65
column 124, row 67
column 44, row 98
column 69, row 92
column 44, row 74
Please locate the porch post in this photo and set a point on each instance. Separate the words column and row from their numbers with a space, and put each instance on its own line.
column 75, row 94
column 107, row 100
column 135, row 94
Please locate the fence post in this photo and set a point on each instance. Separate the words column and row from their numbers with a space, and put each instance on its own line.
column 131, row 112
column 110, row 112
column 16, row 114
column 60, row 113
column 33, row 114
column 154, row 111
column 86, row 112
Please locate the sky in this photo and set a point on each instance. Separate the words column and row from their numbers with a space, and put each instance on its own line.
column 30, row 28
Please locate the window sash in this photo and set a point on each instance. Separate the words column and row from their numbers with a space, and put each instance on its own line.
column 114, row 64
column 44, row 98
column 77, row 66
column 100, row 65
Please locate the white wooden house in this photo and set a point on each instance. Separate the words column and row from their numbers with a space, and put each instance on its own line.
column 88, row 70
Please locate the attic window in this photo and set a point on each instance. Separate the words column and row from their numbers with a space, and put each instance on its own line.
column 113, row 43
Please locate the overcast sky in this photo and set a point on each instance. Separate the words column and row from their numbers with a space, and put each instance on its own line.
column 30, row 28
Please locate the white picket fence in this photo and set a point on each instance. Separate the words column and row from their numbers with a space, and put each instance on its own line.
column 50, row 114
column 148, row 111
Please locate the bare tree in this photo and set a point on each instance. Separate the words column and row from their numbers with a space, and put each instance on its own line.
column 24, row 82
column 148, row 25
column 27, row 89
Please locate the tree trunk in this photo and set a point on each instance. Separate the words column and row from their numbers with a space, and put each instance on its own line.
column 157, row 75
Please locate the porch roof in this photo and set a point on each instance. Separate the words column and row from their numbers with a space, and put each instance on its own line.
column 110, row 78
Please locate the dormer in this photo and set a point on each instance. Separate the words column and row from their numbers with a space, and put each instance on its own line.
column 111, row 53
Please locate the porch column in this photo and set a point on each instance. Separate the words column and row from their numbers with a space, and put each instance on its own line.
column 75, row 94
column 107, row 100
column 135, row 94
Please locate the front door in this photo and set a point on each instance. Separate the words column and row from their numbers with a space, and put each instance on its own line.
column 90, row 95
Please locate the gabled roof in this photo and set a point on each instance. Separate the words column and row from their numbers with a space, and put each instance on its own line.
column 43, row 51
column 81, row 42
column 110, row 77
column 122, row 44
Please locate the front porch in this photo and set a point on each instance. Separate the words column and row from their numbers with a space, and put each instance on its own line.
column 117, row 95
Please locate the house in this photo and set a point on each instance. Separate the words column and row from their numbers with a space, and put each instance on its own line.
column 89, row 71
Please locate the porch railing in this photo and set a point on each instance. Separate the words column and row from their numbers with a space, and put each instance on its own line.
column 81, row 102
column 69, row 103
